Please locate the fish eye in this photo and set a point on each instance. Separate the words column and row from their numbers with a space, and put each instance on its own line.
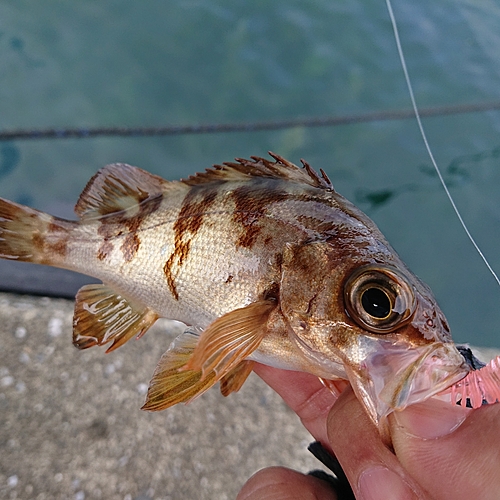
column 376, row 302
column 379, row 299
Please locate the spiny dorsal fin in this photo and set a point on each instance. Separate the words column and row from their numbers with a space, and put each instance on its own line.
column 261, row 167
column 118, row 187
column 171, row 385
column 102, row 316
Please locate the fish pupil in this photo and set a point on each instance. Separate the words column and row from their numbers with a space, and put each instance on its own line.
column 376, row 303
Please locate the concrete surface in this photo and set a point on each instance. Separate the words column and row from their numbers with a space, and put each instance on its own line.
column 71, row 427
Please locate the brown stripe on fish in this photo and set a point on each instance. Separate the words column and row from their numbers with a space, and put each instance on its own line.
column 50, row 241
column 195, row 206
column 251, row 203
column 105, row 249
column 126, row 223
column 130, row 246
column 167, row 269
column 131, row 243
column 177, row 257
column 108, row 232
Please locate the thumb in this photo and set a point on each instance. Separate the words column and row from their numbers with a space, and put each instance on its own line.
column 373, row 470
column 452, row 452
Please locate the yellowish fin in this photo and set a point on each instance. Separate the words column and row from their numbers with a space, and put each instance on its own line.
column 194, row 363
column 230, row 339
column 170, row 383
column 234, row 379
column 102, row 316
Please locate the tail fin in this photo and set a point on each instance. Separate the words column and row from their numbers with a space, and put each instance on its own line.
column 29, row 235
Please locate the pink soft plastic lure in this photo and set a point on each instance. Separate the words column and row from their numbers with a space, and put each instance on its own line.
column 479, row 387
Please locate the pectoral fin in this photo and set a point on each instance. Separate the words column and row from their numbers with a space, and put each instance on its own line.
column 171, row 385
column 102, row 316
column 230, row 339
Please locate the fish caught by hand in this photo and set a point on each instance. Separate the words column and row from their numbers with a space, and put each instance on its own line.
column 264, row 261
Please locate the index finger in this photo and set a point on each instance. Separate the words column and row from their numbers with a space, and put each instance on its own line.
column 374, row 472
column 305, row 395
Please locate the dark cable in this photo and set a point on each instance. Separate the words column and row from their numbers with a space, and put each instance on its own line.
column 215, row 128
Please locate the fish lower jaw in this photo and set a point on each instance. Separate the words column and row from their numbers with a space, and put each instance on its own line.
column 436, row 370
column 405, row 378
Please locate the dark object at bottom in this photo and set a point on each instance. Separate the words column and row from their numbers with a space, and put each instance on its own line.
column 339, row 482
column 470, row 359
column 475, row 364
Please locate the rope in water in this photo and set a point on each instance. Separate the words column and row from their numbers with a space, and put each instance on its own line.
column 215, row 128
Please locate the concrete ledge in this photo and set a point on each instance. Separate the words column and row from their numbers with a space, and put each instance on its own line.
column 72, row 427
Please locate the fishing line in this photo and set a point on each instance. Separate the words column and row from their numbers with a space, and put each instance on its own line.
column 426, row 142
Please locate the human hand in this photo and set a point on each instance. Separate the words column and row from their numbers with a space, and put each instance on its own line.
column 440, row 451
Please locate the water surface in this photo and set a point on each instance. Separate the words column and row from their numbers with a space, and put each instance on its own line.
column 124, row 63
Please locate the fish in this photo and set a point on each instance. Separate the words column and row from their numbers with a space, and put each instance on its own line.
column 264, row 262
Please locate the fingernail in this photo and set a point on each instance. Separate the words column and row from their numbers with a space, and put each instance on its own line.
column 380, row 483
column 431, row 419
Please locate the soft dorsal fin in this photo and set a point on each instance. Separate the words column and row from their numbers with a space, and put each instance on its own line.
column 118, row 187
column 260, row 167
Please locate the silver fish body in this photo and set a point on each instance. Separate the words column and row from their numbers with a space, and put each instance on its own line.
column 265, row 260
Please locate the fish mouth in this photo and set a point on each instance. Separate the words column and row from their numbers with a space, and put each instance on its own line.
column 392, row 377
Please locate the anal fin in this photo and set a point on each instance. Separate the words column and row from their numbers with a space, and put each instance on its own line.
column 102, row 316
column 170, row 384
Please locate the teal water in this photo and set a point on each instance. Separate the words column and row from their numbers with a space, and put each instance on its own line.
column 128, row 63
